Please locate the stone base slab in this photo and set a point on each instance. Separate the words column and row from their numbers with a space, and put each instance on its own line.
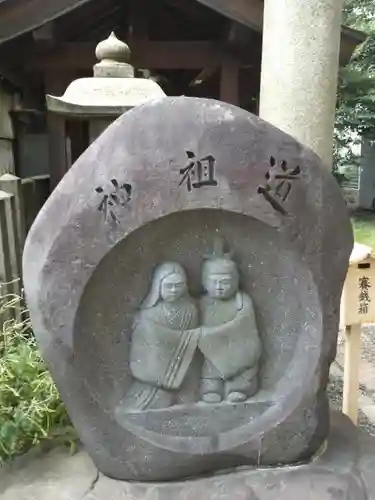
column 345, row 470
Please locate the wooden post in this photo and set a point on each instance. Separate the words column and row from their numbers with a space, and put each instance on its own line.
column 57, row 148
column 41, row 191
column 229, row 84
column 55, row 84
column 6, row 268
column 35, row 191
column 139, row 14
column 12, row 184
column 14, row 246
column 28, row 194
column 97, row 127
column 351, row 371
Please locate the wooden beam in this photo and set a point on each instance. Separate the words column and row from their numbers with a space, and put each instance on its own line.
column 91, row 17
column 192, row 9
column 229, row 84
column 15, row 77
column 229, row 77
column 45, row 37
column 203, row 75
column 138, row 21
column 45, row 34
column 350, row 39
column 150, row 55
column 241, row 36
column 248, row 12
column 21, row 16
column 138, row 27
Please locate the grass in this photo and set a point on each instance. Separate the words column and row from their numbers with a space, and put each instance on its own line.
column 364, row 228
column 31, row 411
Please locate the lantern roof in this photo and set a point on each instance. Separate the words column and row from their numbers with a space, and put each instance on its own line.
column 111, row 90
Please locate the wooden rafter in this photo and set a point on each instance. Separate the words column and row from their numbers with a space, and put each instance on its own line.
column 250, row 14
column 45, row 34
column 22, row 16
column 193, row 9
column 14, row 77
column 203, row 75
column 138, row 22
column 247, row 12
column 151, row 55
column 91, row 18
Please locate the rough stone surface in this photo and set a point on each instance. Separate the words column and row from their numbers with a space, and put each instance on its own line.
column 55, row 475
column 345, row 471
column 178, row 172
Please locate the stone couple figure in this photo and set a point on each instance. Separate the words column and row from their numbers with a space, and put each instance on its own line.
column 169, row 330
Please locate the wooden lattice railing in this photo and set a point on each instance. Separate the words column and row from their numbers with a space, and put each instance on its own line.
column 20, row 202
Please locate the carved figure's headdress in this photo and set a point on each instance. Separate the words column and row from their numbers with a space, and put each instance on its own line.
column 219, row 261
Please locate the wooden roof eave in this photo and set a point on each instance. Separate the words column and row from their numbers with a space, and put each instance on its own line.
column 21, row 16
column 250, row 14
column 18, row 17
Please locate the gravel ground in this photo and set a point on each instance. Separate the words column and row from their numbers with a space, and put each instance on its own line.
column 335, row 396
column 367, row 375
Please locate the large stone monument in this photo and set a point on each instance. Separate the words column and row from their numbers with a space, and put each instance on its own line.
column 184, row 283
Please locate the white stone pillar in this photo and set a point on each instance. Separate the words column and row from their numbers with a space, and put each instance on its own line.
column 300, row 61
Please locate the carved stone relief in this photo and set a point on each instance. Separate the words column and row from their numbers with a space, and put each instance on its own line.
column 172, row 327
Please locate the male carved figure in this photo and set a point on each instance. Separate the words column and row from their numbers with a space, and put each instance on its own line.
column 229, row 338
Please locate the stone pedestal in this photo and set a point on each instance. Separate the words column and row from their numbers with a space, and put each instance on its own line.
column 343, row 471
column 299, row 69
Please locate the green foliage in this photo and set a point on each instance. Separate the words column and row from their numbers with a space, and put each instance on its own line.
column 364, row 228
column 355, row 117
column 31, row 411
column 359, row 13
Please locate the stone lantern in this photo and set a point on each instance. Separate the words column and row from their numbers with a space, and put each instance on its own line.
column 89, row 105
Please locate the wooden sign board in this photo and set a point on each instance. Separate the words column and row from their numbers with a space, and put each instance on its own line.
column 358, row 297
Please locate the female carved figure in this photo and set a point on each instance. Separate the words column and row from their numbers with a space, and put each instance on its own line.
column 164, row 340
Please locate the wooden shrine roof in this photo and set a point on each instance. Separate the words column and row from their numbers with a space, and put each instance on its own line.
column 36, row 35
column 18, row 17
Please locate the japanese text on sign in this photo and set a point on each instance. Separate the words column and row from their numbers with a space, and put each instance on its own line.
column 364, row 299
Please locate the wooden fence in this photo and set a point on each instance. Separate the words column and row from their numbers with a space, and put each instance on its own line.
column 20, row 202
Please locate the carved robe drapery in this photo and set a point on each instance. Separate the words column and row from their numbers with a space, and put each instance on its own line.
column 164, row 342
column 234, row 345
